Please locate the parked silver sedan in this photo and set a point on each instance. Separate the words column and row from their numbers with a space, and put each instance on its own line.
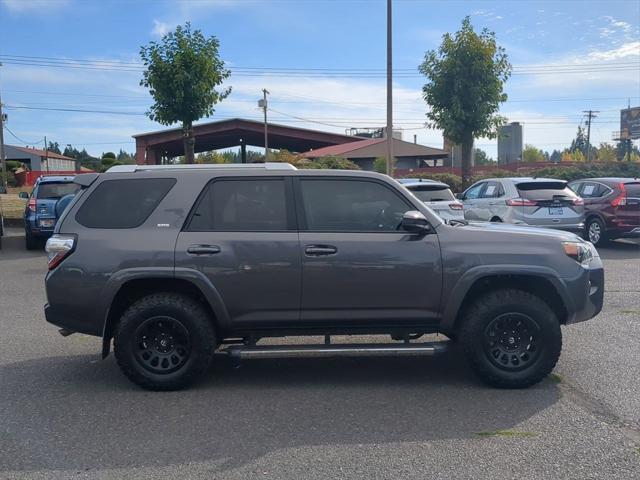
column 541, row 202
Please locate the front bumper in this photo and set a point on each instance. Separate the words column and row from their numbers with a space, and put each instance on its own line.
column 587, row 291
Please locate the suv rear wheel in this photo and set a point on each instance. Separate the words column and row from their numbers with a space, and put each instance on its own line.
column 164, row 341
column 511, row 338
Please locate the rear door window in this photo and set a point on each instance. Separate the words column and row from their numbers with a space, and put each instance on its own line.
column 120, row 204
column 432, row 193
column 544, row 190
column 233, row 205
column 492, row 190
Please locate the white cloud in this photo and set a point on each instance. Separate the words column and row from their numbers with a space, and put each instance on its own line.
column 160, row 28
column 626, row 50
column 34, row 6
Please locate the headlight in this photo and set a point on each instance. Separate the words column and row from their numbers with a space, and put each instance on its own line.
column 579, row 251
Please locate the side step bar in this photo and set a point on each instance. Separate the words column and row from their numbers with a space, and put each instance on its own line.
column 243, row 352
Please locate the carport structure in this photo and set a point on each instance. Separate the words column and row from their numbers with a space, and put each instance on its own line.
column 153, row 147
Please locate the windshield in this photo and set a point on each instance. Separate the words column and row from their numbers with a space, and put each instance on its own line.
column 544, row 190
column 431, row 193
column 56, row 190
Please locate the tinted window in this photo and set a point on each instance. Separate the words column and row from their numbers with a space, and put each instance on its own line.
column 428, row 193
column 544, row 190
column 351, row 206
column 632, row 189
column 241, row 205
column 56, row 190
column 123, row 203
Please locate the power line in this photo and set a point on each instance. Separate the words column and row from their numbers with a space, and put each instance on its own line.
column 21, row 140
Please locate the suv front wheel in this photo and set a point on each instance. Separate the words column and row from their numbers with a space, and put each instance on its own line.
column 511, row 338
column 164, row 341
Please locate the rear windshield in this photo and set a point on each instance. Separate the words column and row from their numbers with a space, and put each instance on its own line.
column 633, row 190
column 432, row 193
column 544, row 190
column 52, row 190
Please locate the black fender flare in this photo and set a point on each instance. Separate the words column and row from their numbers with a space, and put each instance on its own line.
column 195, row 277
column 470, row 277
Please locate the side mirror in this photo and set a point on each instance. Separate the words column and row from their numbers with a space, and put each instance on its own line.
column 414, row 221
column 23, row 195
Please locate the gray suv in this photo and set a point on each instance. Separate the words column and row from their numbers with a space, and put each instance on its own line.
column 177, row 263
column 541, row 202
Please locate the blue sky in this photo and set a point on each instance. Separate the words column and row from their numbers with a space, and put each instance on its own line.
column 568, row 56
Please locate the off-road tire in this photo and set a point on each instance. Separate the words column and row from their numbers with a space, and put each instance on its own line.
column 196, row 322
column 473, row 337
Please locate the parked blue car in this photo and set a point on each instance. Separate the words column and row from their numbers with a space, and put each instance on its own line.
column 49, row 198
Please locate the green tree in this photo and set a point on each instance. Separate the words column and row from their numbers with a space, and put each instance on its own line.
column 465, row 80
column 109, row 155
column 579, row 143
column 605, row 153
column 331, row 162
column 380, row 165
column 182, row 72
column 211, row 157
column 482, row 158
column 531, row 154
column 126, row 157
column 556, row 156
column 54, row 147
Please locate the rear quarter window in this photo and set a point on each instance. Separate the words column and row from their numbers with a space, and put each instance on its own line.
column 632, row 189
column 127, row 203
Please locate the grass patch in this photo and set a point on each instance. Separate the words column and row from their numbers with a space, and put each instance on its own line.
column 12, row 206
column 555, row 378
column 630, row 311
column 506, row 433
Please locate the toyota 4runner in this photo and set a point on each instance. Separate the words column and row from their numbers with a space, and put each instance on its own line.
column 175, row 263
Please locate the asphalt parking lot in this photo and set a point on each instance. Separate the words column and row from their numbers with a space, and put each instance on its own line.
column 64, row 413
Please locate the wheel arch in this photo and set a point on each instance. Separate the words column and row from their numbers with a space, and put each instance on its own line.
column 132, row 289
column 544, row 285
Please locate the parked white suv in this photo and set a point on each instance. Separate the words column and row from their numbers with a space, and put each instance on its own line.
column 436, row 195
column 541, row 202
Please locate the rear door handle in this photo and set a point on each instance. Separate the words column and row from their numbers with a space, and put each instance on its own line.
column 203, row 249
column 319, row 250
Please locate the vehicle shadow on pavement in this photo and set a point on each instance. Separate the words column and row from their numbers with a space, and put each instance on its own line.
column 77, row 413
column 13, row 248
column 620, row 250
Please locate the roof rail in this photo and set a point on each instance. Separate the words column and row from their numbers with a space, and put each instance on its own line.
column 204, row 166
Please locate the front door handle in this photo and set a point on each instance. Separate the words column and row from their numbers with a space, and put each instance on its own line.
column 319, row 250
column 203, row 249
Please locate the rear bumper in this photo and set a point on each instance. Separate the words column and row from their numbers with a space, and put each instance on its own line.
column 574, row 228
column 63, row 320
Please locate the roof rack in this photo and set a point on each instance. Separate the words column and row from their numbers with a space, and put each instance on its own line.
column 221, row 166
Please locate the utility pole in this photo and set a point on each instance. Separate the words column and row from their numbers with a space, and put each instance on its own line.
column 46, row 153
column 590, row 115
column 3, row 160
column 263, row 104
column 389, row 132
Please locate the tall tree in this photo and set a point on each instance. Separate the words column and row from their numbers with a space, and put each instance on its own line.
column 465, row 80
column 580, row 142
column 482, row 158
column 182, row 72
column 54, row 147
column 531, row 154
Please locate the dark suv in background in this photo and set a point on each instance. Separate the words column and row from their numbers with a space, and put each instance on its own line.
column 612, row 207
column 176, row 262
column 49, row 197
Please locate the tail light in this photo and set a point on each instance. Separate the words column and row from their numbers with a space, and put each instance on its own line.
column 455, row 206
column 521, row 202
column 58, row 248
column 621, row 199
column 32, row 204
column 578, row 202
